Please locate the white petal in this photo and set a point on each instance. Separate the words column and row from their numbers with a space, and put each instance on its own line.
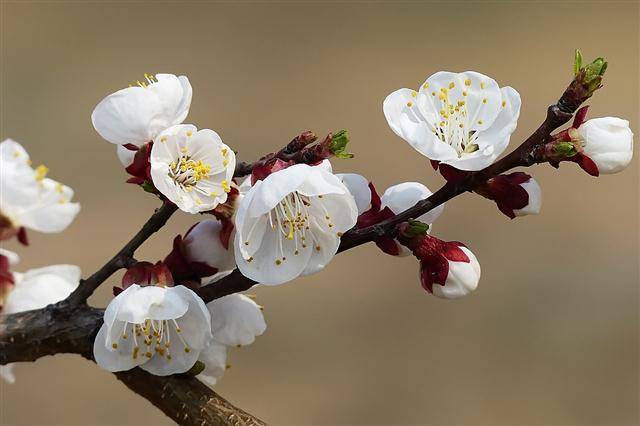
column 52, row 210
column 462, row 279
column 410, row 124
column 236, row 320
column 405, row 195
column 608, row 141
column 214, row 358
column 158, row 303
column 196, row 322
column 535, row 198
column 125, row 155
column 275, row 187
column 12, row 152
column 358, row 186
column 38, row 288
column 180, row 362
column 202, row 244
column 264, row 269
column 115, row 359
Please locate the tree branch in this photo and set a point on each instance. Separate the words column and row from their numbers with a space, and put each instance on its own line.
column 124, row 257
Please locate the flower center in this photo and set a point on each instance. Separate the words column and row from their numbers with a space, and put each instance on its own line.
column 291, row 220
column 186, row 172
column 155, row 336
column 453, row 126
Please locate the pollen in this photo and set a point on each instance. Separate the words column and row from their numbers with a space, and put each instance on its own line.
column 225, row 186
column 41, row 172
column 480, row 121
column 425, row 86
column 484, row 101
column 278, row 262
column 482, row 85
column 467, row 82
column 163, row 139
column 414, row 93
column 433, row 93
column 339, row 234
column 504, row 104
column 114, row 345
column 186, row 349
column 452, row 85
column 189, row 133
column 409, row 104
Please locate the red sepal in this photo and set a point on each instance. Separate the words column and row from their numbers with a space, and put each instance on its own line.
column 272, row 166
column 580, row 117
column 587, row 164
column 146, row 273
column 181, row 268
column 22, row 236
column 507, row 192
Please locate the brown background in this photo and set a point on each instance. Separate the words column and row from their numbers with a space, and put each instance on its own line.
column 549, row 338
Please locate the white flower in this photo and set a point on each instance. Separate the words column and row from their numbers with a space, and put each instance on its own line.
column 161, row 329
column 236, row 320
column 202, row 243
column 28, row 198
column 290, row 224
column 192, row 168
column 36, row 289
column 608, row 142
column 464, row 120
column 136, row 115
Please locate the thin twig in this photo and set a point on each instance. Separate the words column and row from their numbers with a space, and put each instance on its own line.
column 124, row 258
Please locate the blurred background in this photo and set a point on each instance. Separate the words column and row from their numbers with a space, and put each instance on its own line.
column 549, row 338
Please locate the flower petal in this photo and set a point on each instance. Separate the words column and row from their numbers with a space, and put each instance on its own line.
column 236, row 320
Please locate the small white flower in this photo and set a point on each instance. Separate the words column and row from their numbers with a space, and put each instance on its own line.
column 28, row 198
column 290, row 224
column 136, row 115
column 464, row 120
column 161, row 329
column 608, row 142
column 192, row 168
column 202, row 243
column 36, row 289
column 236, row 320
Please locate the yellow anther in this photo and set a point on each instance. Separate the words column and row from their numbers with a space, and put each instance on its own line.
column 504, row 104
column 414, row 93
column 41, row 172
column 409, row 104
column 189, row 133
column 484, row 101
column 225, row 186
column 425, row 86
column 224, row 151
column 461, row 125
column 467, row 82
column 225, row 162
column 184, row 150
column 136, row 349
column 452, row 85
column 59, row 188
column 163, row 139
column 339, row 234
column 148, row 354
column 433, row 93
column 464, row 93
column 114, row 345
column 482, row 85
column 480, row 122
column 318, row 248
column 186, row 349
column 278, row 262
column 198, row 201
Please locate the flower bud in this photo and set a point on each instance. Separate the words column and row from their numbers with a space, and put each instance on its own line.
column 607, row 144
column 146, row 273
column 448, row 270
column 203, row 252
column 206, row 243
column 516, row 194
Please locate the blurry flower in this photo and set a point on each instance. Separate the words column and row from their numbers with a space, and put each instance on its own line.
column 136, row 115
column 28, row 198
column 290, row 223
column 605, row 145
column 161, row 329
column 447, row 269
column 236, row 320
column 516, row 194
column 33, row 289
column 464, row 120
column 192, row 168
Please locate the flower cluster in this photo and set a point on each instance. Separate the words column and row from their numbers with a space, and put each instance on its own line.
column 289, row 214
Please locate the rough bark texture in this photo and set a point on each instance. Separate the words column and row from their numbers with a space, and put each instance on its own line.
column 70, row 326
